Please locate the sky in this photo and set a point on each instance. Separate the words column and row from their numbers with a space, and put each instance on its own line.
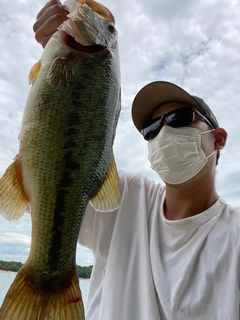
column 192, row 43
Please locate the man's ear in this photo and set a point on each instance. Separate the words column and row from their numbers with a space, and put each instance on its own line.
column 220, row 138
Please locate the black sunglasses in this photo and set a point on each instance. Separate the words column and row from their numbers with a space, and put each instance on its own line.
column 177, row 118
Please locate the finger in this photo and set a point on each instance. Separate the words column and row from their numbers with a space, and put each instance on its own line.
column 46, row 30
column 54, row 10
column 47, row 5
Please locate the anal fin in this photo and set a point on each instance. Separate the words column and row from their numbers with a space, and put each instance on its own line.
column 13, row 200
column 108, row 197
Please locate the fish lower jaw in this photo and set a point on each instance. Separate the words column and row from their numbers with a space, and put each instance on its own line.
column 70, row 42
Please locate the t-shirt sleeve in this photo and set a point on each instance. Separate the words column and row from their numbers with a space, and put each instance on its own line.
column 97, row 227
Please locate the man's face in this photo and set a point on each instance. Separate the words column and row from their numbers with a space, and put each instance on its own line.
column 207, row 139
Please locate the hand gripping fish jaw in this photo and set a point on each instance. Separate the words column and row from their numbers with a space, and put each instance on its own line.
column 89, row 24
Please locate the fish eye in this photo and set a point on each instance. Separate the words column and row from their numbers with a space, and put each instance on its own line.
column 111, row 28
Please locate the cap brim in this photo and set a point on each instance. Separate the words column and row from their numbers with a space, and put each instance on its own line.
column 153, row 95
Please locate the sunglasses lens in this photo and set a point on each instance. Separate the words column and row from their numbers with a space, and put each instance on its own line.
column 152, row 130
column 177, row 118
column 180, row 117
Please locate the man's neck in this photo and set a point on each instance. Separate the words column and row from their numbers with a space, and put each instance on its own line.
column 189, row 199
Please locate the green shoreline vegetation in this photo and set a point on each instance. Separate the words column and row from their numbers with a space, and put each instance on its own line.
column 83, row 272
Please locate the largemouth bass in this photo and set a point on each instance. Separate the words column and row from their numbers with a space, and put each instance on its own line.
column 65, row 159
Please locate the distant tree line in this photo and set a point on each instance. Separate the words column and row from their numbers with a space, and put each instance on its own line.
column 83, row 272
column 10, row 265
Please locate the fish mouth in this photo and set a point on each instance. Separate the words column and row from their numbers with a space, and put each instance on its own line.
column 73, row 44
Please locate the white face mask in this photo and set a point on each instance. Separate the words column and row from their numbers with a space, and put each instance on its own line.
column 176, row 154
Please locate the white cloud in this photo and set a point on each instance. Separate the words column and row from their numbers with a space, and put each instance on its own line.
column 15, row 238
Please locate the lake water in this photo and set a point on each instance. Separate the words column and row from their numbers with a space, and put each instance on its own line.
column 6, row 279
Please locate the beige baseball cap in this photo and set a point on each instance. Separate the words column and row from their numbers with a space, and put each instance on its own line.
column 154, row 94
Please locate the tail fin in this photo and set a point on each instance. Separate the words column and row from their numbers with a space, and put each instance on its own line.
column 23, row 302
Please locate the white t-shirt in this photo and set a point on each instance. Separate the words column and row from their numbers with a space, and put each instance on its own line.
column 149, row 268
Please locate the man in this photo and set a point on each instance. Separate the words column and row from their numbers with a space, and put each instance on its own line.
column 170, row 251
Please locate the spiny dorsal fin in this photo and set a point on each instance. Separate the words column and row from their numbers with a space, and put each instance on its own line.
column 108, row 197
column 34, row 72
column 13, row 200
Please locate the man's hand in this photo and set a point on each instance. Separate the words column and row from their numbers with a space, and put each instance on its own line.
column 48, row 20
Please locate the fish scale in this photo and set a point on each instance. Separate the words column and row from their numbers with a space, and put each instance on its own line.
column 82, row 116
column 65, row 159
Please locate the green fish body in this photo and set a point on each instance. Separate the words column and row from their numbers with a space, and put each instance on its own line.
column 65, row 159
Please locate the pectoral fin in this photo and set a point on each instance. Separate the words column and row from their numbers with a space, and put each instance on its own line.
column 108, row 197
column 13, row 201
column 34, row 72
column 61, row 72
